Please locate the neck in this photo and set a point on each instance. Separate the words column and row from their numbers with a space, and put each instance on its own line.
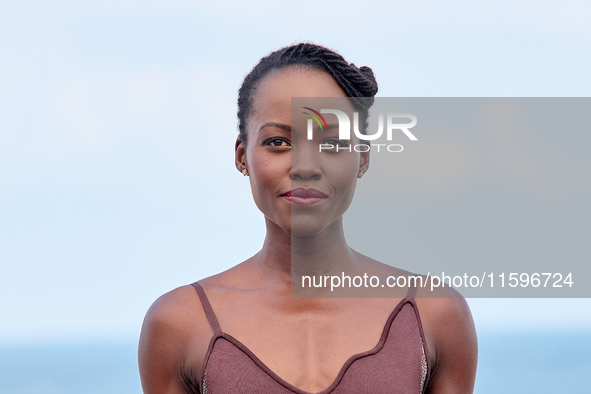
column 285, row 256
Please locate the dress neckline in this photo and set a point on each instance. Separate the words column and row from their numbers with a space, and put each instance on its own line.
column 385, row 331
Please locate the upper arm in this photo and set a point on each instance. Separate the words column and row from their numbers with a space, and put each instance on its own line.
column 453, row 334
column 170, row 329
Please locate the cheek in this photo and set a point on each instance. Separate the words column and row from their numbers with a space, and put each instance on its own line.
column 342, row 172
column 343, row 168
column 268, row 167
column 268, row 175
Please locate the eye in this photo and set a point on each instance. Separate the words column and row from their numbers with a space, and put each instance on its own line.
column 333, row 142
column 277, row 142
column 336, row 141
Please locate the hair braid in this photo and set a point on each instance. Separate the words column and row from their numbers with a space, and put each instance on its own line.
column 355, row 82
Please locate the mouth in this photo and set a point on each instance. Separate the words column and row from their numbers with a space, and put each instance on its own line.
column 304, row 197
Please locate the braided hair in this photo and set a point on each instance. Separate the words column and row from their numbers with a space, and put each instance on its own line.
column 358, row 82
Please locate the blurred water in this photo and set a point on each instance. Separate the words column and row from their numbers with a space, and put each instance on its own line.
column 508, row 363
column 538, row 363
column 70, row 369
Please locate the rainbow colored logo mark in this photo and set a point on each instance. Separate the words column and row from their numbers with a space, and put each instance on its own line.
column 316, row 118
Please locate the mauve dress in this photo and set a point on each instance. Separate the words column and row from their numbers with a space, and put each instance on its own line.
column 397, row 364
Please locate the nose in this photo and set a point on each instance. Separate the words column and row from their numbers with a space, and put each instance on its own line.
column 305, row 163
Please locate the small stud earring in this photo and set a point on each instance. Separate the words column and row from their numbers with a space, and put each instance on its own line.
column 360, row 174
column 245, row 172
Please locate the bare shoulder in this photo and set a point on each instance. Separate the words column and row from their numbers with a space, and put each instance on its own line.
column 443, row 305
column 176, row 334
column 451, row 339
column 173, row 342
column 177, row 310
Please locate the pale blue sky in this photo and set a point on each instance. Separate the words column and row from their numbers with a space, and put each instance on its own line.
column 108, row 198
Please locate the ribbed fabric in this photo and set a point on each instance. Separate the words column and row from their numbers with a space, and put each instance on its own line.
column 397, row 364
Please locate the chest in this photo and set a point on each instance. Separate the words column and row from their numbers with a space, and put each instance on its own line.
column 328, row 360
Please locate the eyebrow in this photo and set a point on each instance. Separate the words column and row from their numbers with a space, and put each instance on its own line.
column 288, row 127
column 274, row 124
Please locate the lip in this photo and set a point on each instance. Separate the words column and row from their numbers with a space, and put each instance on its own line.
column 304, row 197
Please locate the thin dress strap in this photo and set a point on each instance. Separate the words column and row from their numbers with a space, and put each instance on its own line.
column 213, row 321
column 412, row 290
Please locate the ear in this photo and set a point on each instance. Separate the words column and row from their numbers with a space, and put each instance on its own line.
column 364, row 162
column 240, row 154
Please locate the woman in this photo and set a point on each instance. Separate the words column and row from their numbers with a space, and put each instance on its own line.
column 241, row 331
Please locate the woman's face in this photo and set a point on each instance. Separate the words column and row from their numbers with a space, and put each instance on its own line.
column 299, row 188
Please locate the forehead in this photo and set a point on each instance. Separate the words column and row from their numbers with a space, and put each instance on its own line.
column 274, row 93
